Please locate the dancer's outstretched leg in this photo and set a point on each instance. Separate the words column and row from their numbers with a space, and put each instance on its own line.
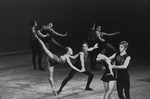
column 48, row 53
column 65, row 81
column 111, row 86
column 55, row 42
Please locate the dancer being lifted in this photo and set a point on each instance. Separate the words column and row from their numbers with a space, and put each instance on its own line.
column 80, row 64
column 61, row 60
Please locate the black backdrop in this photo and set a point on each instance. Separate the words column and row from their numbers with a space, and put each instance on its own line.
column 130, row 17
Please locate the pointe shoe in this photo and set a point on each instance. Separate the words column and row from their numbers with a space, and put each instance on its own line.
column 54, row 91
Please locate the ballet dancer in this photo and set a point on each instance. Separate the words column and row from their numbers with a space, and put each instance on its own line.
column 102, row 42
column 109, row 76
column 48, row 30
column 59, row 60
column 45, row 35
column 80, row 64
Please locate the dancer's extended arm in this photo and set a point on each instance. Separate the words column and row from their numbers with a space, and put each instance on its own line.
column 74, row 57
column 55, row 42
column 41, row 35
column 58, row 34
column 92, row 48
column 72, row 66
column 110, row 34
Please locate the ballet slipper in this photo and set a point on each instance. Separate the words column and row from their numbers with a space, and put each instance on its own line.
column 54, row 91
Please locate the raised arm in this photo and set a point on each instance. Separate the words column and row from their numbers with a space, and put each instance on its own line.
column 72, row 66
column 74, row 57
column 112, row 56
column 92, row 48
column 58, row 34
column 110, row 34
column 90, row 33
column 56, row 43
column 93, row 26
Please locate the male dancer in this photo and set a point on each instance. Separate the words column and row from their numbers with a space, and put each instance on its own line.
column 80, row 64
column 35, row 46
column 61, row 60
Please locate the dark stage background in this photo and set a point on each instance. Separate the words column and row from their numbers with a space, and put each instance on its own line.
column 130, row 17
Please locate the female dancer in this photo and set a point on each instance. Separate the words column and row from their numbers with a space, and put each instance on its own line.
column 45, row 35
column 120, row 62
column 109, row 76
column 61, row 60
column 47, row 30
column 35, row 46
column 102, row 42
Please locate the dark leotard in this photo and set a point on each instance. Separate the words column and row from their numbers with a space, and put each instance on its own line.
column 48, row 38
column 106, row 77
column 123, row 78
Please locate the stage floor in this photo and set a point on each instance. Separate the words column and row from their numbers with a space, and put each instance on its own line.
column 18, row 80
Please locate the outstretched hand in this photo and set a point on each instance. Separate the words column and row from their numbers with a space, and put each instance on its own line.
column 83, row 70
column 96, row 45
column 118, row 32
column 110, row 74
column 66, row 34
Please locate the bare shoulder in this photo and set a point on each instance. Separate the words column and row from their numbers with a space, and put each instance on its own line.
column 129, row 57
column 81, row 53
